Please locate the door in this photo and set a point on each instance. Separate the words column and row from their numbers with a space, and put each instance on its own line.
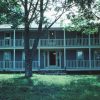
column 52, row 58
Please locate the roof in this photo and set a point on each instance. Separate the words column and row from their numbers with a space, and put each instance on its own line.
column 33, row 25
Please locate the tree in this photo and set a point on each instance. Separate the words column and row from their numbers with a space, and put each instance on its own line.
column 34, row 10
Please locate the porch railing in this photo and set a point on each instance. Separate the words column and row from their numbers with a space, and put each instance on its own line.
column 83, row 64
column 77, row 64
column 6, row 65
column 51, row 42
column 35, row 65
column 95, row 64
column 19, row 65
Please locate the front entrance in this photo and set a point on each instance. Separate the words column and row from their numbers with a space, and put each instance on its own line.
column 52, row 58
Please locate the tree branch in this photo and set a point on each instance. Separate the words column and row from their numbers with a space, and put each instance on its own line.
column 96, row 15
column 46, row 5
column 68, row 7
column 34, row 9
column 30, row 5
column 22, row 3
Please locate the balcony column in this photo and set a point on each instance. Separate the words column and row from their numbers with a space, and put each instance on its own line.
column 14, row 50
column 89, row 51
column 39, row 57
column 64, row 49
column 44, row 59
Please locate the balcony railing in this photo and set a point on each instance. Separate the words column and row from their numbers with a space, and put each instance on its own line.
column 77, row 42
column 19, row 65
column 6, row 43
column 95, row 41
column 83, row 64
column 51, row 42
column 19, row 42
column 70, row 42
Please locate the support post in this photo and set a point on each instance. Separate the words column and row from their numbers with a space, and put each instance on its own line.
column 39, row 57
column 64, row 49
column 14, row 50
column 44, row 59
column 89, row 51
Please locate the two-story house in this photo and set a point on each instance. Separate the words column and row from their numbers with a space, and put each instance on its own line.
column 57, row 49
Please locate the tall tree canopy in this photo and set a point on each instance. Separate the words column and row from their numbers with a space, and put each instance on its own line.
column 86, row 20
column 10, row 12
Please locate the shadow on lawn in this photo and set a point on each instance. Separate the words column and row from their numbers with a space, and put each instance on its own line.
column 31, row 89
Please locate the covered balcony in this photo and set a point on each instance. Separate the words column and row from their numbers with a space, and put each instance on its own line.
column 44, row 43
column 17, row 65
column 51, row 43
column 82, row 65
column 77, row 42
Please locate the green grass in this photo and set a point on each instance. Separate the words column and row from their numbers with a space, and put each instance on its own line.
column 49, row 87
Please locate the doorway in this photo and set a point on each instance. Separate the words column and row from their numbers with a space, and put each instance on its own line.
column 52, row 58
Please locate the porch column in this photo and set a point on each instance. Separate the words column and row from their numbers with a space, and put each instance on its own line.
column 44, row 59
column 89, row 51
column 64, row 49
column 14, row 50
column 39, row 57
column 48, row 58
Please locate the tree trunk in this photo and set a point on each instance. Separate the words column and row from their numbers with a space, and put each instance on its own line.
column 35, row 44
column 28, row 52
column 28, row 58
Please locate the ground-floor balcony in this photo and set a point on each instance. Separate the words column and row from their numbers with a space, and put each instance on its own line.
column 83, row 65
column 17, row 65
column 70, row 65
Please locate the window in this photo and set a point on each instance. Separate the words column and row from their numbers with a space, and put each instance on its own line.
column 7, row 55
column 7, row 39
column 79, row 55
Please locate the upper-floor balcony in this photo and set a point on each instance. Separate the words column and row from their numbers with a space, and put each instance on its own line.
column 82, row 42
column 52, row 43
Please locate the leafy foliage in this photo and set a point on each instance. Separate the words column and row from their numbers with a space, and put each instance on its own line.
column 86, row 20
column 10, row 12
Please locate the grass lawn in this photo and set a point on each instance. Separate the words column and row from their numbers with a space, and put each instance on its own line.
column 49, row 87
